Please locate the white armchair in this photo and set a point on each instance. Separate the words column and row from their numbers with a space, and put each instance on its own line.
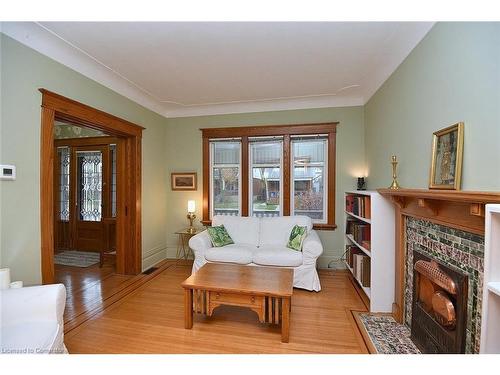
column 31, row 319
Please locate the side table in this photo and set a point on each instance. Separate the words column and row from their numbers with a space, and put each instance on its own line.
column 183, row 249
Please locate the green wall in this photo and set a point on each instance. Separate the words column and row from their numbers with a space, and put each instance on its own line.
column 452, row 75
column 23, row 71
column 183, row 144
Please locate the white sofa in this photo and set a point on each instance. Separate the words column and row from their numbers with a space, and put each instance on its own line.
column 262, row 242
column 32, row 320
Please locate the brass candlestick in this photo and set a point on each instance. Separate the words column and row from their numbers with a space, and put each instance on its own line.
column 191, row 216
column 395, row 184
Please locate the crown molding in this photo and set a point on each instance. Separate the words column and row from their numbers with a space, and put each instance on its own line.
column 266, row 106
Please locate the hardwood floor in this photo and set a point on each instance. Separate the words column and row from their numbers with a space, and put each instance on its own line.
column 150, row 319
column 87, row 288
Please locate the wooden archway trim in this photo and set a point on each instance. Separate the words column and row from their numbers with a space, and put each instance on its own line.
column 129, row 154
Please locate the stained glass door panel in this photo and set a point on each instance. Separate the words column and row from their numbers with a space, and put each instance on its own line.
column 89, row 185
column 62, row 230
column 90, row 194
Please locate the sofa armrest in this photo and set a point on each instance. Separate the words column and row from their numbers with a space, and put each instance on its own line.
column 35, row 303
column 312, row 247
column 200, row 243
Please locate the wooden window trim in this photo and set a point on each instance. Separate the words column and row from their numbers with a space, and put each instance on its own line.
column 287, row 131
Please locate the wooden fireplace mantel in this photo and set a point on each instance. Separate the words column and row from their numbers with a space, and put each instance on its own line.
column 458, row 209
column 463, row 210
column 445, row 195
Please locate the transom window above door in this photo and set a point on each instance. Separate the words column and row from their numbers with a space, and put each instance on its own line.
column 267, row 171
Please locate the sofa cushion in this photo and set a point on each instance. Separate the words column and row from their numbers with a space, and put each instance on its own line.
column 296, row 238
column 239, row 254
column 219, row 236
column 276, row 230
column 243, row 230
column 277, row 256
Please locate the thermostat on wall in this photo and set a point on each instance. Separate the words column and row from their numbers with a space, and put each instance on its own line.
column 7, row 172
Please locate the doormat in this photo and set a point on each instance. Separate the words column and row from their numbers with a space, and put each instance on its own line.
column 76, row 258
column 385, row 335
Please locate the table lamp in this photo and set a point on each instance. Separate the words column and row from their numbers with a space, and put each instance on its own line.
column 361, row 183
column 191, row 216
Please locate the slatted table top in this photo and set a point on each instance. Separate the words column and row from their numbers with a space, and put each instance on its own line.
column 266, row 281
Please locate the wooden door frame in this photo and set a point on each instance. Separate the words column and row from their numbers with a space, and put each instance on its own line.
column 129, row 177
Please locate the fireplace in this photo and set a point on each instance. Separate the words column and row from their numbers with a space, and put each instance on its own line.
column 447, row 227
column 458, row 260
column 439, row 308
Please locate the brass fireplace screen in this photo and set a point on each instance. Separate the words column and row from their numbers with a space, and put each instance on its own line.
column 439, row 307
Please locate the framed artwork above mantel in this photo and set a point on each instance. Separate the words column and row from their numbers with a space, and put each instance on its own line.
column 446, row 163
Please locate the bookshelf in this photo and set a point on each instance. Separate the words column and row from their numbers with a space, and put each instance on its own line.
column 490, row 321
column 370, row 234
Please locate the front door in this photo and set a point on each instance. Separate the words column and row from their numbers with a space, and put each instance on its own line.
column 90, row 192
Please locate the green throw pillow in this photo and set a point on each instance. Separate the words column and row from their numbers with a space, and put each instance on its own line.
column 219, row 236
column 297, row 237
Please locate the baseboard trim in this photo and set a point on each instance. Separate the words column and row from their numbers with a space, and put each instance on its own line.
column 153, row 256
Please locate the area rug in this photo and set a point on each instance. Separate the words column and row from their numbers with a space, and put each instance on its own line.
column 387, row 335
column 76, row 258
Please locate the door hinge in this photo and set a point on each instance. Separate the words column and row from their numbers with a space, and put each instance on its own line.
column 126, row 210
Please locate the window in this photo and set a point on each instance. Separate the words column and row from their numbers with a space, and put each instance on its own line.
column 89, row 172
column 265, row 177
column 225, row 177
column 268, row 171
column 64, row 164
column 308, row 178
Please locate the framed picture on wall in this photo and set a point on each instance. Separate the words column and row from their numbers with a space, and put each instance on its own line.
column 446, row 164
column 183, row 181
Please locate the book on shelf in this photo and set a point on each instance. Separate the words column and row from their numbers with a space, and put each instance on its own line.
column 368, row 208
column 351, row 251
column 362, row 269
column 358, row 266
column 365, row 272
column 358, row 205
column 359, row 230
column 367, row 244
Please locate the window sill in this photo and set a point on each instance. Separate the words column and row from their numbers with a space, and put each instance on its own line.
column 315, row 226
column 325, row 226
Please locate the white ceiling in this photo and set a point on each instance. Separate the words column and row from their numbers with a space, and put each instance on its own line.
column 185, row 69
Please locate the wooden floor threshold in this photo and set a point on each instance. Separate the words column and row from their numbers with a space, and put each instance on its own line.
column 124, row 290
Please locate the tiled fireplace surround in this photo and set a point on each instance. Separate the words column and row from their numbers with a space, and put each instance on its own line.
column 446, row 226
column 457, row 249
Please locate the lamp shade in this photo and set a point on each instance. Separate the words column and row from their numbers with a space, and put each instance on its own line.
column 191, row 206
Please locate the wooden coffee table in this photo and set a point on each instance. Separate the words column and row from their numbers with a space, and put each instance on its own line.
column 265, row 290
